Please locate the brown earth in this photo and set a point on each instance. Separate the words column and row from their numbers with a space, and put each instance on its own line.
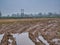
column 48, row 27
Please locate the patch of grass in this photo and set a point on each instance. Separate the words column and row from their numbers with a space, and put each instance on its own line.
column 32, row 20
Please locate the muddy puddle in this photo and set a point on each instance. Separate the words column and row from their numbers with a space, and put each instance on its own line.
column 1, row 36
column 23, row 39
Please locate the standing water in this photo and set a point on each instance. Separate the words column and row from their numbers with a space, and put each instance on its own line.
column 1, row 36
column 23, row 39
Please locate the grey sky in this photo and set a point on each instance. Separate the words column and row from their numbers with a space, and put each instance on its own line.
column 29, row 6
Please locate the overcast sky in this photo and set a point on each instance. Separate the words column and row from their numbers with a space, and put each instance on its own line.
column 29, row 6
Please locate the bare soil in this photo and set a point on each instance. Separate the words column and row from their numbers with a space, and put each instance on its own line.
column 48, row 27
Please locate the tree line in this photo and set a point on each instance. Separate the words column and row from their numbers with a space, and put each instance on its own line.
column 39, row 15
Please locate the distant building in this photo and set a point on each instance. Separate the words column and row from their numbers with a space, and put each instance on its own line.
column 13, row 15
column 0, row 14
column 22, row 12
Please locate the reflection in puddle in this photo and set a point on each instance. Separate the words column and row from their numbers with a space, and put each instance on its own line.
column 57, row 41
column 1, row 36
column 43, row 40
column 23, row 39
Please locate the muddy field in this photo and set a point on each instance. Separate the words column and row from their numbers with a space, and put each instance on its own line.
column 49, row 28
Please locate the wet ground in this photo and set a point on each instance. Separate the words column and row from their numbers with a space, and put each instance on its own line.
column 49, row 30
